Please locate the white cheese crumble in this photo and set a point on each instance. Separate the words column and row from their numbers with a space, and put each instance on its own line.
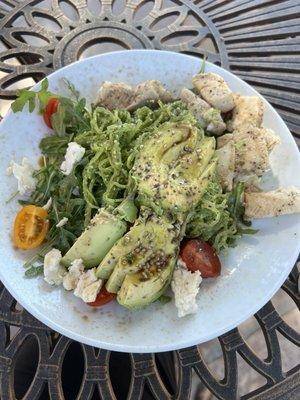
column 185, row 285
column 88, row 286
column 62, row 222
column 71, row 279
column 48, row 204
column 74, row 154
column 23, row 173
column 53, row 271
column 181, row 264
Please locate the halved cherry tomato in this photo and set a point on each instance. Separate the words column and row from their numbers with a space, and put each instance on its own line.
column 102, row 298
column 200, row 256
column 51, row 108
column 30, row 227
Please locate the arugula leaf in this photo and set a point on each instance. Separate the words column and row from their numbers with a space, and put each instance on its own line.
column 54, row 145
column 12, row 196
column 24, row 97
column 75, row 93
column 34, row 271
column 70, row 117
column 236, row 201
column 29, row 97
column 247, row 231
column 44, row 95
column 237, row 209
column 58, row 120
column 202, row 69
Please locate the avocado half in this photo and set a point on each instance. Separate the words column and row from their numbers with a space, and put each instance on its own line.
column 173, row 168
column 139, row 266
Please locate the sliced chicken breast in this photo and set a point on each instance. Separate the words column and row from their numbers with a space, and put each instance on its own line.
column 195, row 104
column 248, row 111
column 115, row 96
column 150, row 91
column 214, row 90
column 253, row 146
column 226, row 165
column 125, row 97
column 271, row 139
column 252, row 155
column 271, row 204
column 208, row 117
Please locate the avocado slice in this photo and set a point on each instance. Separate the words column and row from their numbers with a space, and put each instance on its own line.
column 168, row 168
column 127, row 210
column 138, row 291
column 98, row 238
column 123, row 248
column 150, row 243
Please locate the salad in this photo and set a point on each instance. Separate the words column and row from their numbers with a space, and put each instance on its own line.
column 139, row 192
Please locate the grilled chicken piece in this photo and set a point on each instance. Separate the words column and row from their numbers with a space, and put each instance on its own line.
column 271, row 204
column 226, row 165
column 195, row 104
column 115, row 96
column 252, row 149
column 120, row 96
column 252, row 155
column 208, row 117
column 214, row 90
column 253, row 146
column 271, row 139
column 149, row 92
column 248, row 111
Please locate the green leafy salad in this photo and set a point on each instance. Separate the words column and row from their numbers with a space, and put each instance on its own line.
column 121, row 188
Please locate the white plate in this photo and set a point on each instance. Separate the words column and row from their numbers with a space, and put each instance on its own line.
column 251, row 274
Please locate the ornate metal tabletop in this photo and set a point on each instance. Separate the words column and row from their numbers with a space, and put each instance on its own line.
column 256, row 39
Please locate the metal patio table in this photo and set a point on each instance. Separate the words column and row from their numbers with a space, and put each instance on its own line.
column 258, row 40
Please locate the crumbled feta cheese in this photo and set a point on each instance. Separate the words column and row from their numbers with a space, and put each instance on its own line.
column 53, row 271
column 74, row 153
column 181, row 263
column 48, row 204
column 71, row 279
column 88, row 286
column 62, row 222
column 185, row 285
column 23, row 173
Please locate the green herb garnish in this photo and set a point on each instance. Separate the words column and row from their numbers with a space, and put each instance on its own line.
column 29, row 97
column 203, row 65
column 34, row 271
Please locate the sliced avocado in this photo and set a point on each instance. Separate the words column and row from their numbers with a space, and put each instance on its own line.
column 149, row 243
column 138, row 291
column 169, row 166
column 127, row 210
column 123, row 267
column 93, row 244
column 122, row 248
column 198, row 160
